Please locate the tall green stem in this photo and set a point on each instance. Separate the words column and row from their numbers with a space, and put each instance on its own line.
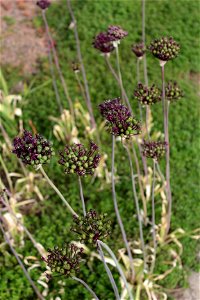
column 57, row 191
column 116, row 208
column 153, row 216
column 86, row 286
column 81, row 195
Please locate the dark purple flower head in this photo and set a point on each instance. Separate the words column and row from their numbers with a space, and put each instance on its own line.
column 116, row 33
column 119, row 119
column 154, row 149
column 43, row 4
column 92, row 227
column 147, row 95
column 139, row 49
column 102, row 43
column 65, row 260
column 173, row 91
column 77, row 159
column 32, row 150
column 165, row 48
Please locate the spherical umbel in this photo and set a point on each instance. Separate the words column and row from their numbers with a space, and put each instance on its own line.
column 102, row 43
column 165, row 48
column 154, row 149
column 92, row 227
column 139, row 49
column 32, row 150
column 116, row 33
column 119, row 120
column 147, row 95
column 76, row 159
column 173, row 91
column 43, row 4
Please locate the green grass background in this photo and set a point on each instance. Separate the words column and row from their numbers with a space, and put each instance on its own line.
column 49, row 221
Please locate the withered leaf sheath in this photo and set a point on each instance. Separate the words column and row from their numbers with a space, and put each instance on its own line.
column 173, row 92
column 147, row 95
column 165, row 48
column 92, row 227
column 32, row 150
column 154, row 149
column 65, row 260
column 119, row 120
column 80, row 160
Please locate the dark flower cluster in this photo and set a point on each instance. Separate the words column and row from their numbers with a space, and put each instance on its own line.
column 32, row 150
column 154, row 149
column 102, row 43
column 77, row 159
column 43, row 4
column 92, row 227
column 147, row 95
column 165, row 48
column 104, row 40
column 65, row 260
column 119, row 119
column 116, row 33
column 173, row 91
column 139, row 49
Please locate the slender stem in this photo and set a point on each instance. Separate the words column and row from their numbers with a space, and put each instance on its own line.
column 147, row 120
column 89, row 105
column 54, row 81
column 107, row 248
column 6, row 173
column 116, row 207
column 57, row 191
column 81, row 86
column 144, row 41
column 21, row 264
column 112, row 281
column 120, row 77
column 51, row 46
column 153, row 217
column 137, row 205
column 138, row 80
column 87, row 287
column 166, row 130
column 81, row 195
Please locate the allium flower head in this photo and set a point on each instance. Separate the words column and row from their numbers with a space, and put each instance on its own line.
column 139, row 49
column 32, row 150
column 147, row 95
column 43, row 4
column 165, row 48
column 119, row 119
column 116, row 33
column 154, row 149
column 65, row 260
column 77, row 159
column 102, row 43
column 92, row 227
column 173, row 91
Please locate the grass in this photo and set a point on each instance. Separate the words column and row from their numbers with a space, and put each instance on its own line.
column 49, row 221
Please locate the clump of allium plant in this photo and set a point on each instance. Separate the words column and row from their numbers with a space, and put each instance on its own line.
column 65, row 260
column 92, row 227
column 79, row 160
column 119, row 120
column 116, row 33
column 165, row 48
column 43, row 4
column 147, row 95
column 139, row 49
column 173, row 91
column 103, row 43
column 32, row 150
column 154, row 149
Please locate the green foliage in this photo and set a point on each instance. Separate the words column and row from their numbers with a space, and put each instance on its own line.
column 50, row 222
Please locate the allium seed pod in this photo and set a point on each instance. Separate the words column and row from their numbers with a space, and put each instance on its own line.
column 65, row 260
column 173, row 91
column 119, row 119
column 77, row 159
column 147, row 95
column 32, row 150
column 102, row 43
column 139, row 49
column 116, row 33
column 92, row 227
column 43, row 4
column 154, row 149
column 165, row 48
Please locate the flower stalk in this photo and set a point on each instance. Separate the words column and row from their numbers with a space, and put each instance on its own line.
column 81, row 195
column 86, row 286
